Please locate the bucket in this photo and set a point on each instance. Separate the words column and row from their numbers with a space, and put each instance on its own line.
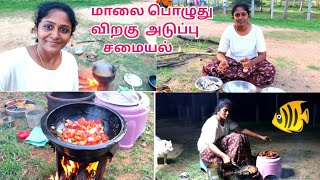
column 269, row 166
column 135, row 115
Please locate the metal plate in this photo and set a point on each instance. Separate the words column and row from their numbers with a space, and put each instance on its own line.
column 123, row 98
column 14, row 109
column 133, row 79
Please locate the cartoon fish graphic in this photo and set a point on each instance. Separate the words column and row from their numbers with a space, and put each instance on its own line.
column 290, row 118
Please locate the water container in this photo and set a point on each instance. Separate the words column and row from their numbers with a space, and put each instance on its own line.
column 269, row 166
column 133, row 106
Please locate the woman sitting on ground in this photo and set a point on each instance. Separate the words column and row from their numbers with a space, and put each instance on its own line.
column 216, row 145
column 242, row 52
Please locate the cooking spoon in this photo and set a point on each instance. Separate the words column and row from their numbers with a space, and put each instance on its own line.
column 234, row 164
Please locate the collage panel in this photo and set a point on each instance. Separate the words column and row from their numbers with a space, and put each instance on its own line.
column 279, row 45
column 154, row 76
column 75, row 46
column 77, row 135
column 237, row 136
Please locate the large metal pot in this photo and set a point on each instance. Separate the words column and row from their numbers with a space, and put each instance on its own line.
column 56, row 99
column 114, row 126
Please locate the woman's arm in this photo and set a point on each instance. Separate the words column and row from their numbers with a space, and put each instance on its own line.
column 248, row 63
column 252, row 134
column 221, row 57
column 261, row 57
column 213, row 148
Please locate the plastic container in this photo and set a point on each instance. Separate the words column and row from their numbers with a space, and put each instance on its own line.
column 34, row 116
column 214, row 170
column 8, row 121
column 135, row 115
column 269, row 166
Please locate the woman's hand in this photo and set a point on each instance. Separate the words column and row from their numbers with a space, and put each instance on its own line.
column 265, row 138
column 223, row 65
column 226, row 160
column 246, row 63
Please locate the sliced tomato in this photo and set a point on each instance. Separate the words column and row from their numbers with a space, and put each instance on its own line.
column 84, row 132
column 99, row 121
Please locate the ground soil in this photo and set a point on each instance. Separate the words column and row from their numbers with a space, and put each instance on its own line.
column 294, row 76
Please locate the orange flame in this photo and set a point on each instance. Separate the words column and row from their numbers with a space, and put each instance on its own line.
column 69, row 167
column 92, row 168
column 54, row 178
column 92, row 82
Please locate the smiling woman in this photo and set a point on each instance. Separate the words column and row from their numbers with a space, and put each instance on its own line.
column 242, row 52
column 43, row 66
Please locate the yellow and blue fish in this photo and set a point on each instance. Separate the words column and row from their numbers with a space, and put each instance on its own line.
column 290, row 117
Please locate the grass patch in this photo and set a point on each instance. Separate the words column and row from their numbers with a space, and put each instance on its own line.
column 302, row 37
column 189, row 74
column 295, row 20
column 283, row 63
column 164, row 74
column 16, row 5
column 188, row 162
column 313, row 67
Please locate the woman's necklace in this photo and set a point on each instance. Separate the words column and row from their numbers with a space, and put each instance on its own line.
column 40, row 58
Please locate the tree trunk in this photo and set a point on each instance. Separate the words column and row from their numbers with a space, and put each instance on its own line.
column 271, row 8
column 285, row 11
column 309, row 10
column 185, row 3
column 261, row 6
column 301, row 4
column 252, row 8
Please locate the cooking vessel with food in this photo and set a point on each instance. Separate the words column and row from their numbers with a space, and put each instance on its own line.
column 152, row 81
column 114, row 126
column 103, row 72
column 247, row 172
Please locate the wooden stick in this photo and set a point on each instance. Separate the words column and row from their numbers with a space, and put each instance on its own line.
column 198, row 40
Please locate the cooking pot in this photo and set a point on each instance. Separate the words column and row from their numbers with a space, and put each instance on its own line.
column 114, row 126
column 104, row 72
column 56, row 99
column 247, row 172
